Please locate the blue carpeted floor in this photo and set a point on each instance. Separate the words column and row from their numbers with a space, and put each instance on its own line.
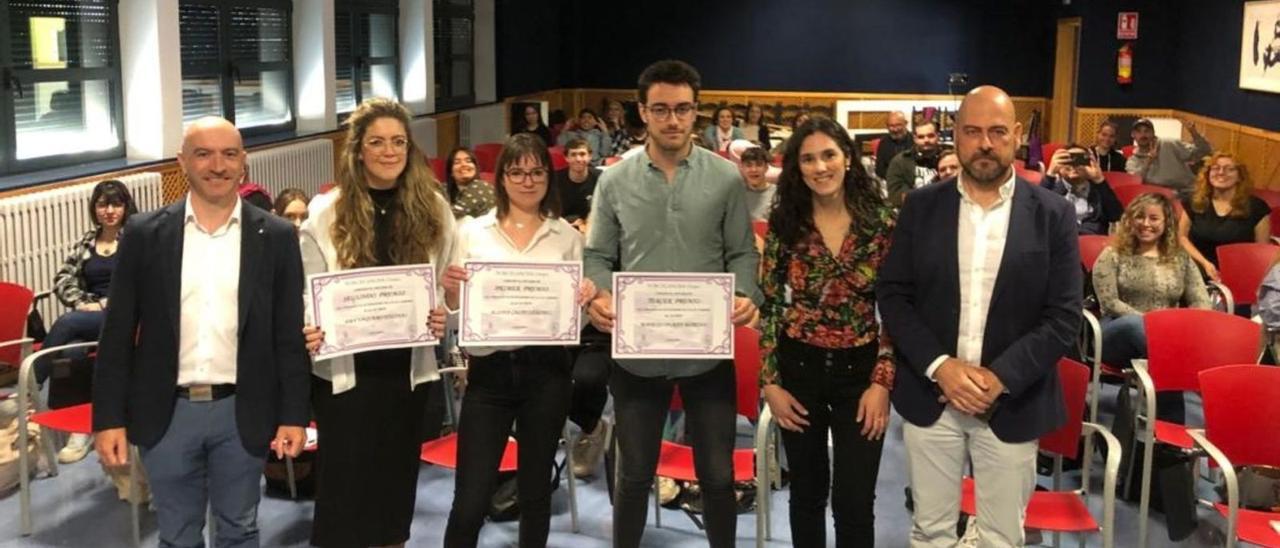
column 79, row 508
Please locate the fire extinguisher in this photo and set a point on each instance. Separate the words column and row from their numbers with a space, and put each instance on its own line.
column 1124, row 64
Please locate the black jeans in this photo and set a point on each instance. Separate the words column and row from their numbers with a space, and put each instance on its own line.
column 529, row 387
column 829, row 384
column 72, row 385
column 591, row 364
column 640, row 406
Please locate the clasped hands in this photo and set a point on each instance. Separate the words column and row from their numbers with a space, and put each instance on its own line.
column 967, row 387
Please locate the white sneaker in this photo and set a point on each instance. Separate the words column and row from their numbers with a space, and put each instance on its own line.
column 78, row 445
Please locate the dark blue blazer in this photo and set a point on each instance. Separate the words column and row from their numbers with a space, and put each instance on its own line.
column 1034, row 315
column 135, row 379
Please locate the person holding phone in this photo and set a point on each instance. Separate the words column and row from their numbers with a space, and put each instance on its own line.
column 1074, row 173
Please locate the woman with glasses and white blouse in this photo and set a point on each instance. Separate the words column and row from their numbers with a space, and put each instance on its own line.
column 528, row 387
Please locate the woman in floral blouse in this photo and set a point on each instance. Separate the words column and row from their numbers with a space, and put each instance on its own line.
column 827, row 362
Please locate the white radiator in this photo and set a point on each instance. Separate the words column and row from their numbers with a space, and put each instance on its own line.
column 39, row 229
column 305, row 165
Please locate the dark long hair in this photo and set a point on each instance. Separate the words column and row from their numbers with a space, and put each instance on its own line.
column 792, row 215
column 112, row 192
column 450, row 185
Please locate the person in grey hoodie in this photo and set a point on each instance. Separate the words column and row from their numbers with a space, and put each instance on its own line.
column 1165, row 162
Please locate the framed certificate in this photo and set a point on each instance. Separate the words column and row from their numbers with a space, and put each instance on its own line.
column 506, row 303
column 664, row 315
column 373, row 308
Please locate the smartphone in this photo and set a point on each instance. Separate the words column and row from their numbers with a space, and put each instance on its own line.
column 1079, row 159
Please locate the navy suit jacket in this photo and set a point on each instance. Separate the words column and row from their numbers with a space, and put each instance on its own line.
column 135, row 379
column 1034, row 314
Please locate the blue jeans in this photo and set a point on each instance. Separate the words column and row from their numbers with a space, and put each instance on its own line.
column 201, row 461
column 72, row 387
column 1125, row 339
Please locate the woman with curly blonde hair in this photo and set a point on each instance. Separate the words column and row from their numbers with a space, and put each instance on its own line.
column 386, row 210
column 1222, row 210
column 1144, row 269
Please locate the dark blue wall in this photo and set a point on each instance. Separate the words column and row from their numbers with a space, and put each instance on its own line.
column 528, row 46
column 1209, row 68
column 1155, row 59
column 812, row 45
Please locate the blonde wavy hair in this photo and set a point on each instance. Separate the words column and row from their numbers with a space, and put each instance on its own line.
column 1203, row 195
column 1125, row 240
column 416, row 229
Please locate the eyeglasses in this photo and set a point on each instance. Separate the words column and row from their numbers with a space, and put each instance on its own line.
column 663, row 112
column 397, row 144
column 1223, row 169
column 519, row 175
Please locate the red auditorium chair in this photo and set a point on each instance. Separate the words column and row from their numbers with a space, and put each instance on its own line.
column 1067, row 511
column 1243, row 266
column 612, row 160
column 487, row 156
column 1126, row 150
column 77, row 419
column 1271, row 197
column 437, row 166
column 1234, row 398
column 1181, row 343
column 760, row 227
column 1275, row 224
column 1126, row 193
column 558, row 160
column 1119, row 178
column 1033, row 177
column 1047, row 150
column 15, row 305
column 1091, row 247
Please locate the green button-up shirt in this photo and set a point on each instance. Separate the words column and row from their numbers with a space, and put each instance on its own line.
column 698, row 222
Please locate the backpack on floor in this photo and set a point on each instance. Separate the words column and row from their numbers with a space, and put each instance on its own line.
column 505, row 504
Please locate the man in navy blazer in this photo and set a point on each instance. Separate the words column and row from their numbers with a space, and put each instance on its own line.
column 981, row 291
column 201, row 362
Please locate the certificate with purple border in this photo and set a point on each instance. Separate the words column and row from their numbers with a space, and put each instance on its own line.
column 373, row 308
column 511, row 303
column 673, row 316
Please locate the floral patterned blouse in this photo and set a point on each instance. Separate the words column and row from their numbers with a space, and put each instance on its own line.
column 832, row 299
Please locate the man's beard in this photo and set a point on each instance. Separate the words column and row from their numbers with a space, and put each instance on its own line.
column 991, row 175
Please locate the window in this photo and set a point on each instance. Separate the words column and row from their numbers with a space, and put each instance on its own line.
column 366, row 39
column 62, row 102
column 455, row 53
column 237, row 62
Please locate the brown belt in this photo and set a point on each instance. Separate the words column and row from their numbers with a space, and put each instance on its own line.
column 206, row 392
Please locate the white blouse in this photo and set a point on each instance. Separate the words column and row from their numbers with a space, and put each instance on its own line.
column 320, row 255
column 483, row 239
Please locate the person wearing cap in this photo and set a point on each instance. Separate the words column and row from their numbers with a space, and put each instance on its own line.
column 1165, row 162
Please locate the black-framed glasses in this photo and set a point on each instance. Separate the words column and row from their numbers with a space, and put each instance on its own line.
column 663, row 112
column 517, row 175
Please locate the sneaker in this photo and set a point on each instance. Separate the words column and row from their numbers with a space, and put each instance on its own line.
column 589, row 449
column 78, row 445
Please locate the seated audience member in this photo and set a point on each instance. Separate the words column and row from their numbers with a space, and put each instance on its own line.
column 754, row 128
column 1144, row 269
column 82, row 284
column 588, row 128
column 721, row 132
column 1104, row 147
column 1165, row 162
column 1222, row 210
column 576, row 183
column 1074, row 173
column 527, row 388
column 470, row 196
column 754, row 164
column 948, row 165
column 254, row 193
column 898, row 141
column 292, row 205
column 527, row 118
column 615, row 122
column 798, row 120
column 914, row 168
column 556, row 122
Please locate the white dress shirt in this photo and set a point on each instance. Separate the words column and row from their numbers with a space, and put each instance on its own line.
column 210, row 300
column 980, row 241
column 483, row 239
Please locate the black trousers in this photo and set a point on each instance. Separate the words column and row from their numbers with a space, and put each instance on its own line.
column 829, row 384
column 640, row 406
column 528, row 387
column 591, row 365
